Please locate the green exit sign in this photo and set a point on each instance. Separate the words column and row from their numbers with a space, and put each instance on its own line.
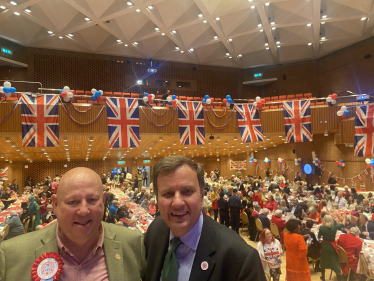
column 256, row 75
column 6, row 51
column 146, row 161
column 121, row 162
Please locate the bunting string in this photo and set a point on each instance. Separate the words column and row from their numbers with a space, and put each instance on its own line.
column 219, row 127
column 162, row 114
column 158, row 125
column 87, row 123
column 82, row 111
column 224, row 114
column 10, row 113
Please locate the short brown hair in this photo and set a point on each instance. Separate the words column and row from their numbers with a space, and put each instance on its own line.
column 169, row 164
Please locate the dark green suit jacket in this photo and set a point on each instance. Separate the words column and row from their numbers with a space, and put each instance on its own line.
column 18, row 254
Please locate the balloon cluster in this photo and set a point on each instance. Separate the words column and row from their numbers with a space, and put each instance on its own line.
column 97, row 95
column 266, row 161
column 297, row 161
column 148, row 98
column 318, row 162
column 7, row 89
column 281, row 161
column 172, row 100
column 343, row 112
column 207, row 99
column 340, row 163
column 253, row 161
column 259, row 102
column 369, row 162
column 228, row 100
column 331, row 99
column 66, row 94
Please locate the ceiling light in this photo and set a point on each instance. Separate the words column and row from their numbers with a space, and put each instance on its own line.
column 191, row 50
column 138, row 10
column 239, row 55
column 2, row 7
column 267, row 48
column 252, row 7
column 215, row 37
column 250, row 0
column 13, row 3
column 261, row 30
column 60, row 37
column 227, row 54
column 27, row 10
column 126, row 45
column 278, row 46
column 163, row 34
column 201, row 15
column 259, row 25
column 182, row 53
column 119, row 41
column 87, row 19
column 177, row 48
column 174, row 31
column 272, row 23
column 71, row 35
column 323, row 38
column 205, row 21
column 230, row 57
column 278, row 42
column 135, row 43
column 16, row 13
column 129, row 3
column 150, row 7
column 323, row 22
column 217, row 18
column 267, row 4
column 230, row 39
column 273, row 28
column 157, row 29
column 266, row 44
column 324, row 16
column 309, row 24
column 309, row 44
column 363, row 18
column 50, row 32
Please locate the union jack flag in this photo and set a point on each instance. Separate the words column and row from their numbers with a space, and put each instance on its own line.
column 297, row 121
column 364, row 130
column 191, row 123
column 4, row 174
column 238, row 165
column 123, row 122
column 40, row 123
column 249, row 123
column 271, row 253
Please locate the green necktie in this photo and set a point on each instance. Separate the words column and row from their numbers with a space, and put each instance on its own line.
column 170, row 268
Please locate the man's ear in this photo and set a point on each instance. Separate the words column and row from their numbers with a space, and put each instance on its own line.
column 104, row 197
column 54, row 201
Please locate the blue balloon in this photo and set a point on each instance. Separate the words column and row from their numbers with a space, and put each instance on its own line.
column 173, row 97
column 341, row 161
column 298, row 161
column 329, row 103
column 371, row 162
column 338, row 166
column 61, row 91
column 6, row 90
column 251, row 159
column 203, row 101
column 346, row 112
column 93, row 97
column 229, row 101
column 206, row 97
column 228, row 97
column 269, row 160
column 169, row 103
column 97, row 94
column 264, row 161
column 315, row 161
column 12, row 90
column 280, row 162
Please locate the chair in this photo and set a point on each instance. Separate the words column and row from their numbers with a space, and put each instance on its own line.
column 343, row 258
column 364, row 264
column 189, row 98
column 267, row 99
column 182, row 98
column 267, row 277
column 275, row 230
column 282, row 98
column 33, row 223
column 299, row 96
column 79, row 93
column 87, row 93
column 320, row 103
column 274, row 106
column 290, row 97
column 259, row 228
column 311, row 259
column 108, row 94
column 126, row 95
column 307, row 95
column 6, row 231
column 245, row 221
column 27, row 222
column 117, row 94
column 274, row 98
column 136, row 96
column 197, row 98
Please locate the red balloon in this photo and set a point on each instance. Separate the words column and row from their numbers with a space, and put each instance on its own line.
column 100, row 98
column 319, row 161
column 340, row 164
column 224, row 100
column 368, row 165
column 334, row 96
column 344, row 116
column 259, row 106
column 63, row 94
column 150, row 101
column 262, row 101
column 329, row 96
column 267, row 163
column 212, row 99
column 337, row 162
column 173, row 102
column 283, row 160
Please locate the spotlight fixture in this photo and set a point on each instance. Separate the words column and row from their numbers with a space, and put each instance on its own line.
column 211, row 137
column 174, row 31
column 363, row 18
column 87, row 19
column 309, row 24
column 227, row 54
column 150, row 7
column 322, row 22
column 205, row 21
column 129, row 3
column 266, row 44
column 157, row 29
column 126, row 45
column 191, row 50
column 259, row 25
column 230, row 39
column 182, row 52
column 201, row 15
column 272, row 23
column 138, row 10
column 323, row 38
column 252, row 7
column 119, row 41
column 309, row 44
column 27, row 10
column 273, row 28
column 240, row 55
column 2, row 7
column 278, row 42
column 324, row 16
column 217, row 18
column 267, row 4
column 215, row 37
column 16, row 13
column 261, row 30
column 177, row 48
column 135, row 43
column 60, row 37
column 71, row 35
column 163, row 34
column 13, row 3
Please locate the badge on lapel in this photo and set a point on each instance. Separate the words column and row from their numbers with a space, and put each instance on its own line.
column 204, row 265
column 47, row 267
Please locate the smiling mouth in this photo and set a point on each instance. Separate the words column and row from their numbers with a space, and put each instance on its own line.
column 178, row 215
column 82, row 223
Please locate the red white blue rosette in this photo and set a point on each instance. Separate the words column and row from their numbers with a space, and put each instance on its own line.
column 47, row 267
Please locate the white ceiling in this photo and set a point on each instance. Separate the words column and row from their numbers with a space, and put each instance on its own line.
column 237, row 29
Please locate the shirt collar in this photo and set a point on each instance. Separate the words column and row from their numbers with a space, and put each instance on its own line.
column 63, row 249
column 192, row 237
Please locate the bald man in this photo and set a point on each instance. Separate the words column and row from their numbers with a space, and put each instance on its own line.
column 90, row 249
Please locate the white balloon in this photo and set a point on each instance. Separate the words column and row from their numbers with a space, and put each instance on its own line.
column 367, row 161
column 93, row 91
column 343, row 108
column 208, row 101
column 1, row 89
column 101, row 91
column 227, row 104
column 66, row 89
column 340, row 113
column 279, row 159
column 7, row 84
column 266, row 159
column 8, row 94
column 333, row 101
column 145, row 99
column 153, row 96
column 66, row 99
column 299, row 159
column 343, row 164
column 255, row 103
column 258, row 99
column 255, row 160
column 168, row 98
column 328, row 99
column 70, row 95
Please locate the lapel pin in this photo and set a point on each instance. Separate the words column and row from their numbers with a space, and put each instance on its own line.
column 204, row 265
column 118, row 257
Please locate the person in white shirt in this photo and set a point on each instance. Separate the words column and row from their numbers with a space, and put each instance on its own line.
column 340, row 200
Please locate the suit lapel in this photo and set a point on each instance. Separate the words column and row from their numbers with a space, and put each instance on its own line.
column 49, row 242
column 204, row 262
column 113, row 256
column 159, row 253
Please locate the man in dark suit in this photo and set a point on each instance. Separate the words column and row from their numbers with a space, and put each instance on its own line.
column 300, row 209
column 183, row 243
column 235, row 206
column 314, row 250
column 367, row 228
column 263, row 217
column 223, row 207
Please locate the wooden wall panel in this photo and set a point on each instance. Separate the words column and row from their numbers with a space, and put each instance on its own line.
column 231, row 128
column 13, row 123
column 347, row 130
column 272, row 121
column 147, row 127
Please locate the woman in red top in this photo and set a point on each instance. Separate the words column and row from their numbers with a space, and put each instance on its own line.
column 43, row 202
column 256, row 198
column 282, row 184
column 314, row 216
column 271, row 204
column 277, row 219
